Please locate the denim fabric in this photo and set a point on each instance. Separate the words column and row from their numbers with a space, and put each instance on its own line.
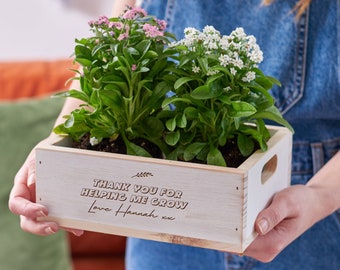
column 304, row 56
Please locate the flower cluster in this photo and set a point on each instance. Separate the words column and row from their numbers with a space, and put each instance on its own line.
column 131, row 21
column 238, row 52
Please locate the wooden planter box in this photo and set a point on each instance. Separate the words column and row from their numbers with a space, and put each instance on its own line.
column 170, row 201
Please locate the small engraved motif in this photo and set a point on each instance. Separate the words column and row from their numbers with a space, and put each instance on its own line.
column 142, row 174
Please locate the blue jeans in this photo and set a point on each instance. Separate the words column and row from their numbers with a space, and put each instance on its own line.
column 305, row 57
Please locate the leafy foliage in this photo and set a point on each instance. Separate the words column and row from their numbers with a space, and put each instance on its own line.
column 122, row 82
column 219, row 94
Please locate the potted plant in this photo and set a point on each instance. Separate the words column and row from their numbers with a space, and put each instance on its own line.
column 123, row 83
column 219, row 91
column 190, row 100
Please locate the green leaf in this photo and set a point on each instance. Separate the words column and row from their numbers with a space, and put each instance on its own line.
column 100, row 47
column 128, row 56
column 242, row 109
column 215, row 157
column 273, row 114
column 174, row 99
column 187, row 136
column 274, row 80
column 222, row 137
column 257, row 135
column 245, row 144
column 191, row 113
column 60, row 129
column 113, row 100
column 143, row 46
column 143, row 69
column 262, row 91
column 111, row 78
column 172, row 138
column 182, row 81
column 132, row 51
column 181, row 120
column 82, row 52
column 264, row 82
column 151, row 54
column 225, row 99
column 83, row 61
column 153, row 127
column 207, row 117
column 171, row 124
column 203, row 62
column 136, row 150
column 73, row 93
column 202, row 92
column 192, row 150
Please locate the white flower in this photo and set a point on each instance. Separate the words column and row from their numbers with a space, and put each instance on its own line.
column 227, row 89
column 235, row 45
column 238, row 33
column 210, row 30
column 256, row 55
column 94, row 141
column 249, row 76
column 251, row 40
column 195, row 69
column 212, row 45
column 237, row 62
column 188, row 31
column 224, row 43
column 233, row 71
column 212, row 72
column 224, row 60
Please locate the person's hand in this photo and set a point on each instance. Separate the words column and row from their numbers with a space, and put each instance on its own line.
column 290, row 213
column 22, row 202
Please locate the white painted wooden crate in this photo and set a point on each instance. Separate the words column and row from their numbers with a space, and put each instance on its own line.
column 170, row 201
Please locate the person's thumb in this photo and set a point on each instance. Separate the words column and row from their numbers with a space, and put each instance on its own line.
column 270, row 217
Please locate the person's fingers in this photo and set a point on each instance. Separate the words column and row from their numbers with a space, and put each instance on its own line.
column 20, row 203
column 38, row 227
column 266, row 247
column 286, row 217
column 280, row 208
column 76, row 232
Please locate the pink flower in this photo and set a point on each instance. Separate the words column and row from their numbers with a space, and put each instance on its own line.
column 103, row 20
column 151, row 30
column 92, row 23
column 117, row 25
column 123, row 36
column 161, row 24
column 133, row 67
column 134, row 12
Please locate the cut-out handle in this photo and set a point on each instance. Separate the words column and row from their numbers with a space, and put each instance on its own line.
column 268, row 169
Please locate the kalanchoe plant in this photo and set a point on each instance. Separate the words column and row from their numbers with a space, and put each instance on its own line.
column 123, row 81
column 219, row 95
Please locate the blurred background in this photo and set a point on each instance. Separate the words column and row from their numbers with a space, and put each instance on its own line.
column 36, row 42
column 45, row 29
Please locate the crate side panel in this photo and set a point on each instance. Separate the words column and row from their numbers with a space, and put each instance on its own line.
column 261, row 190
column 175, row 200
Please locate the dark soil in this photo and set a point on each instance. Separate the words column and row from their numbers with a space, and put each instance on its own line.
column 117, row 146
column 230, row 151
